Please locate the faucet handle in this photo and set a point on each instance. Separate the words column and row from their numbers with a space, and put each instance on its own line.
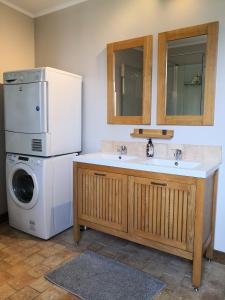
column 178, row 154
column 122, row 149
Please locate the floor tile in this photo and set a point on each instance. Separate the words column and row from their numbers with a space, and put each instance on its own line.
column 14, row 259
column 53, row 293
column 2, row 246
column 4, row 266
column 19, row 282
column 38, row 271
column 6, row 291
column 40, row 284
column 53, row 261
column 19, row 268
column 49, row 251
column 29, row 251
column 166, row 294
column 34, row 259
column 3, row 255
column 26, row 293
column 4, row 277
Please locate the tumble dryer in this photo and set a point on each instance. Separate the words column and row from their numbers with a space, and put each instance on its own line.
column 39, row 193
column 42, row 112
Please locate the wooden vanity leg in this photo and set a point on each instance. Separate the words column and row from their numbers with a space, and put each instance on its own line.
column 76, row 226
column 76, row 233
column 197, row 269
column 198, row 239
column 209, row 251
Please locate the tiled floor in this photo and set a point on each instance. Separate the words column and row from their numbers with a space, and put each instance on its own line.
column 24, row 260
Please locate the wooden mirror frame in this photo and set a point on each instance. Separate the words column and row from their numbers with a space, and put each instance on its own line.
column 145, row 118
column 211, row 30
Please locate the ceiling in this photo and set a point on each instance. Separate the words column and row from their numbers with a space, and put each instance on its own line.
column 36, row 8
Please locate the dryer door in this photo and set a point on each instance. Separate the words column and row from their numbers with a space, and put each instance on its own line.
column 26, row 107
column 22, row 185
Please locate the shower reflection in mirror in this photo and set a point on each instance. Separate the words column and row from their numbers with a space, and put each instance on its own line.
column 185, row 76
column 128, row 81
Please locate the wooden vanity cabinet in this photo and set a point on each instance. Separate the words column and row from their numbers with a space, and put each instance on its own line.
column 175, row 214
column 102, row 198
column 162, row 211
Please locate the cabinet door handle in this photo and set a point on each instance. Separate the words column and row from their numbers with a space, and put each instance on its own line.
column 158, row 183
column 99, row 174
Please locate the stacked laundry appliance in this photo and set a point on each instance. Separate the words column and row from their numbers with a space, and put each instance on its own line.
column 43, row 135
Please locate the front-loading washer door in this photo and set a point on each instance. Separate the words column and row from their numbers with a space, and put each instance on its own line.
column 22, row 185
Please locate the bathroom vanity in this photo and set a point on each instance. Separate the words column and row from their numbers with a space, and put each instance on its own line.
column 149, row 201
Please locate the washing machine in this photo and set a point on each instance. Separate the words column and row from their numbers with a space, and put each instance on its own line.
column 40, row 193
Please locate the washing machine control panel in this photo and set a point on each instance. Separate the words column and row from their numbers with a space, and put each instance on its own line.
column 16, row 158
column 11, row 158
column 23, row 158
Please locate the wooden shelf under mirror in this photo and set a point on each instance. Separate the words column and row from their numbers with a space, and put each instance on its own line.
column 152, row 133
column 186, row 75
column 129, row 65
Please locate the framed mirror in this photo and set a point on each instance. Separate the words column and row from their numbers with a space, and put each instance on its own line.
column 186, row 75
column 129, row 65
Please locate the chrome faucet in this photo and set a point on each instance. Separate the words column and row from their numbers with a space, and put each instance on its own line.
column 122, row 149
column 178, row 154
column 150, row 149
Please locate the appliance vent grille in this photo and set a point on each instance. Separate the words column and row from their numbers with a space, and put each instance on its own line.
column 37, row 145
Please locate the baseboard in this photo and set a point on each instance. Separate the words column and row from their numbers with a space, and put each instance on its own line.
column 219, row 257
column 3, row 217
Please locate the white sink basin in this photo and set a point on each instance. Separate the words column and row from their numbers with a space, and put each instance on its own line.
column 172, row 163
column 105, row 157
column 115, row 157
column 184, row 168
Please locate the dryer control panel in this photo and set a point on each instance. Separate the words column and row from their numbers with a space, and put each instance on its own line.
column 24, row 76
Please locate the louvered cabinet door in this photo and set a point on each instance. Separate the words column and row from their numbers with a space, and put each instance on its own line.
column 162, row 211
column 102, row 198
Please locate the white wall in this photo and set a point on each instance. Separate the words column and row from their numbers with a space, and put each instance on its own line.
column 16, row 52
column 17, row 40
column 3, row 205
column 75, row 40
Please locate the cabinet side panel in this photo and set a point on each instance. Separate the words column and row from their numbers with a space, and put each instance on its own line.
column 208, row 208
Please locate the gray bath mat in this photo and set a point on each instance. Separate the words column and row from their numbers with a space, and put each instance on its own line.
column 94, row 277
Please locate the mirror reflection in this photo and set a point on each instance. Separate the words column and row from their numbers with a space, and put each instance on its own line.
column 129, row 81
column 128, row 73
column 186, row 75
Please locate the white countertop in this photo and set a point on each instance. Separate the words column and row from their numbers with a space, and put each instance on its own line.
column 184, row 168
